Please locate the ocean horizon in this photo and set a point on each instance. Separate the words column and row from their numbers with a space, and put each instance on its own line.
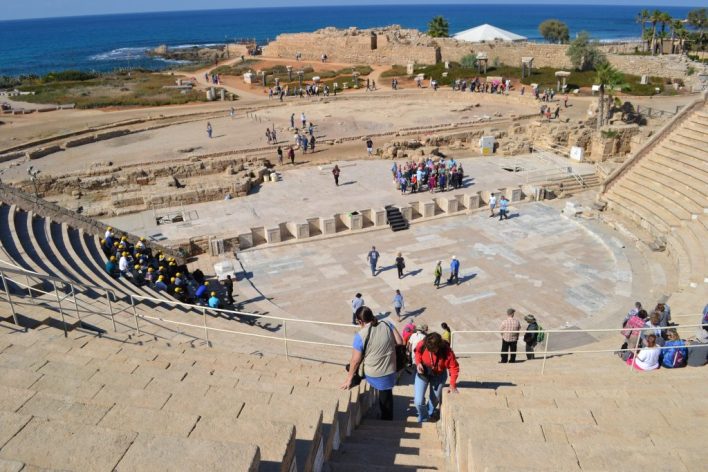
column 108, row 42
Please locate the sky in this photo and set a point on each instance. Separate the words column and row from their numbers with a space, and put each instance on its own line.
column 18, row 9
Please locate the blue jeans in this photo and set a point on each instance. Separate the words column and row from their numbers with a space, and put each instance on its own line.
column 373, row 267
column 437, row 382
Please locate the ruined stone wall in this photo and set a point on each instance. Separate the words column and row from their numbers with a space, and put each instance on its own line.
column 402, row 46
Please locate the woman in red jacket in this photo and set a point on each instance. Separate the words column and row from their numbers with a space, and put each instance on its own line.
column 434, row 359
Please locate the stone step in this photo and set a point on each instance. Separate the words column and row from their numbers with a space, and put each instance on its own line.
column 675, row 145
column 677, row 172
column 687, row 197
column 691, row 165
column 668, row 199
column 367, row 454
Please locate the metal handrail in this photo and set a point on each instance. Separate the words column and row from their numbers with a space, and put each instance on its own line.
column 19, row 270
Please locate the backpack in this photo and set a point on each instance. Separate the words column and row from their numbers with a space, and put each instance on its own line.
column 674, row 356
column 541, row 335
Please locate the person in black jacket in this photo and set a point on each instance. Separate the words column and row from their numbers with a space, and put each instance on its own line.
column 530, row 338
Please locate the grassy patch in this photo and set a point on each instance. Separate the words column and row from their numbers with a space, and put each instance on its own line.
column 395, row 71
column 543, row 76
column 237, row 69
column 136, row 88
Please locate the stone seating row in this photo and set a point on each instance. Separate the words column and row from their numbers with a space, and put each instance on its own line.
column 195, row 405
column 40, row 245
column 592, row 423
column 452, row 202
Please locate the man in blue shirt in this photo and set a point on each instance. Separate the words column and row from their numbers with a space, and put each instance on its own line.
column 202, row 292
column 373, row 258
column 503, row 208
column 454, row 271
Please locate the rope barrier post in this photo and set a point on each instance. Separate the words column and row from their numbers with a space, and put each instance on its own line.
column 110, row 310
column 206, row 330
column 545, row 353
column 285, row 335
column 135, row 315
column 9, row 298
column 29, row 288
column 76, row 303
column 61, row 310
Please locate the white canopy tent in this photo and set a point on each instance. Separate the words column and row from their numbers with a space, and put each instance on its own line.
column 487, row 33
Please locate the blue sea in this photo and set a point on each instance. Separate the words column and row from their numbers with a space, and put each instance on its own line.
column 103, row 43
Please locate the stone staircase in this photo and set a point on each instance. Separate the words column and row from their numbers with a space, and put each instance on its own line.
column 402, row 445
column 585, row 413
column 395, row 219
column 663, row 190
column 88, row 403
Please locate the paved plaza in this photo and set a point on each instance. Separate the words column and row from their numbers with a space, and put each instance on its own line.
column 310, row 192
column 538, row 262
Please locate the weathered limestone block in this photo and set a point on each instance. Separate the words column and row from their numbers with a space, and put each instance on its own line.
column 354, row 221
column 273, row 234
column 514, row 194
column 43, row 151
column 472, row 201
column 328, row 225
column 448, row 205
column 79, row 141
column 299, row 230
column 427, row 209
column 407, row 212
column 378, row 216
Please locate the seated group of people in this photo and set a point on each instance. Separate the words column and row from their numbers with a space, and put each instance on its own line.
column 137, row 263
column 657, row 343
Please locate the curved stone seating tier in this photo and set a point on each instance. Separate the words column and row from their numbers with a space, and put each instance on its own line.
column 580, row 415
column 665, row 190
column 86, row 403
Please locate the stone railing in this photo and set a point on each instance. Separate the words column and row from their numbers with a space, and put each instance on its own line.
column 39, row 206
column 652, row 143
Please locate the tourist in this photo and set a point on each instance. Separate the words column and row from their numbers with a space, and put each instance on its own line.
column 698, row 347
column 202, row 292
column 407, row 332
column 446, row 333
column 632, row 331
column 654, row 323
column 454, row 271
column 400, row 265
column 398, row 303
column 123, row 263
column 292, row 121
column 209, row 129
column 664, row 314
column 303, row 119
column 374, row 349
column 112, row 267
column 633, row 311
column 373, row 258
column 418, row 335
column 373, row 85
column 214, row 301
column 510, row 336
column 556, row 112
column 312, row 144
column 232, row 112
column 160, row 285
column 335, row 173
column 492, row 204
column 291, row 155
column 368, row 85
column 675, row 352
column 648, row 357
column 503, row 208
column 438, row 274
column 434, row 359
column 280, row 155
column 369, row 146
column 531, row 336
column 357, row 302
column 229, row 286
column 269, row 138
column 565, row 100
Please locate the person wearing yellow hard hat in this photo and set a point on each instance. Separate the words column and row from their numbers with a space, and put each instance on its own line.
column 112, row 267
column 160, row 285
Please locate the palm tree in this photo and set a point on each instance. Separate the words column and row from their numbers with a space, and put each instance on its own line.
column 683, row 34
column 664, row 20
column 641, row 19
column 608, row 77
column 698, row 19
column 676, row 26
column 438, row 27
column 654, row 18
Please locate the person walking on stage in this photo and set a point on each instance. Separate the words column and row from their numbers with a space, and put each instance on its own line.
column 398, row 303
column 400, row 265
column 438, row 274
column 335, row 173
column 454, row 271
column 373, row 259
